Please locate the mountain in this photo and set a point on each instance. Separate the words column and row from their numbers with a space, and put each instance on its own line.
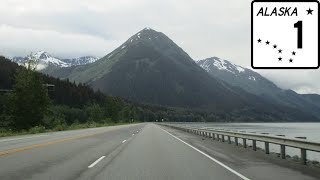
column 48, row 63
column 253, row 82
column 150, row 68
column 43, row 59
column 238, row 76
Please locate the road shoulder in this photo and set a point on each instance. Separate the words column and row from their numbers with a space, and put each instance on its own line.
column 254, row 164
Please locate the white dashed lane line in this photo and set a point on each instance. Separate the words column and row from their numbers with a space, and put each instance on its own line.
column 96, row 162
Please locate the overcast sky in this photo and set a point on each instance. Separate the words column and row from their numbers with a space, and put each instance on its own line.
column 73, row 28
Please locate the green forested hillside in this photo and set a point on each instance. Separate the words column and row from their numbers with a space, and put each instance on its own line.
column 72, row 104
column 150, row 68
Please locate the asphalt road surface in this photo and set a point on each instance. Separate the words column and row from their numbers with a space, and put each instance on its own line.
column 139, row 151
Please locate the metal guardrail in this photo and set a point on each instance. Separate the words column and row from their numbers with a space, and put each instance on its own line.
column 220, row 134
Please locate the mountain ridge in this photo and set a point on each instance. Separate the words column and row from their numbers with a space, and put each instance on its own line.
column 46, row 62
column 253, row 82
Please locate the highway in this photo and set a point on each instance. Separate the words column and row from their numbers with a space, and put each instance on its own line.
column 138, row 151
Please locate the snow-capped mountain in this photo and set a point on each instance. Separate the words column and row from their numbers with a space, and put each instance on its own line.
column 238, row 76
column 254, row 83
column 46, row 61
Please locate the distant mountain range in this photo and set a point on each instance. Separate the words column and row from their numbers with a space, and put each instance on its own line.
column 47, row 63
column 150, row 68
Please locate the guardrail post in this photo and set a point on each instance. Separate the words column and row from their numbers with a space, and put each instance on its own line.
column 229, row 139
column 266, row 147
column 213, row 136
column 254, row 145
column 236, row 141
column 222, row 138
column 283, row 151
column 218, row 138
column 304, row 156
column 244, row 143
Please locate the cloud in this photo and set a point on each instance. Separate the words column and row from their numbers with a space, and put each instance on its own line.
column 21, row 41
column 80, row 27
column 302, row 81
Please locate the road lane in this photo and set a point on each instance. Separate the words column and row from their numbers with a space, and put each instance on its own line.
column 8, row 143
column 64, row 160
column 154, row 154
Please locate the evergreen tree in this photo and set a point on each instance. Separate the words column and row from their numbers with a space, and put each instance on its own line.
column 29, row 99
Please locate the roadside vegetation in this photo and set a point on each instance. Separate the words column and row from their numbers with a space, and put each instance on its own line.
column 43, row 129
column 28, row 106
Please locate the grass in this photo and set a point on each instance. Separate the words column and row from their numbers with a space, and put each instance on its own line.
column 62, row 127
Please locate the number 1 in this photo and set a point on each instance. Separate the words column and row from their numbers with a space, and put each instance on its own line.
column 299, row 26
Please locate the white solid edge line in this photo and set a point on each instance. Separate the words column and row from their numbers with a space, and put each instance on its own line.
column 124, row 141
column 96, row 162
column 208, row 156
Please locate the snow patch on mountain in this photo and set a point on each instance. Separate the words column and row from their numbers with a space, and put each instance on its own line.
column 110, row 55
column 80, row 60
column 220, row 64
column 252, row 78
column 145, row 34
column 240, row 69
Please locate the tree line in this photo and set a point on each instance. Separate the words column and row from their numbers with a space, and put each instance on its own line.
column 29, row 103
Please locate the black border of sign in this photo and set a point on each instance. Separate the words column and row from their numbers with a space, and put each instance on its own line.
column 252, row 35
